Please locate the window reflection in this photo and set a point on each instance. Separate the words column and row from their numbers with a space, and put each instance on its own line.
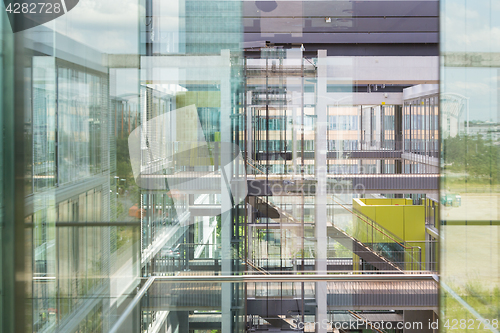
column 234, row 165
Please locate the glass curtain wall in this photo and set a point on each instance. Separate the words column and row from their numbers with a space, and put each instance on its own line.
column 227, row 166
column 14, row 238
column 421, row 133
column 80, row 196
column 469, row 162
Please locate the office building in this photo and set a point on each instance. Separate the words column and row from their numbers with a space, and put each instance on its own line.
column 244, row 166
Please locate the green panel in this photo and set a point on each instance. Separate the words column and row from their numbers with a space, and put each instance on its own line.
column 199, row 98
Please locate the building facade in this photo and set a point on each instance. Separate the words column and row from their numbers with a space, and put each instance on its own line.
column 244, row 166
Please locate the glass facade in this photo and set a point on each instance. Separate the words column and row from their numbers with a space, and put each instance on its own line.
column 469, row 163
column 243, row 166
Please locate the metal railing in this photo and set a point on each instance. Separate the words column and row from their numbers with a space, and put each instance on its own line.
column 255, row 166
column 385, row 243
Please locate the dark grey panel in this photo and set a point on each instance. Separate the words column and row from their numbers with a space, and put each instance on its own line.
column 391, row 8
column 345, row 8
column 360, row 24
column 309, row 155
column 379, row 183
column 392, row 182
column 347, row 38
column 353, row 50
column 403, row 49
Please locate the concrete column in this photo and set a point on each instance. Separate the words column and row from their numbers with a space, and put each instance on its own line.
column 321, row 195
column 294, row 90
column 398, row 136
column 190, row 232
column 205, row 233
column 177, row 322
column 183, row 318
column 250, row 219
column 226, row 203
column 249, row 125
column 294, row 143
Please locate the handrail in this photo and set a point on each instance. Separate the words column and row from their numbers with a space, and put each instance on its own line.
column 296, row 278
column 283, row 213
column 254, row 166
column 365, row 320
column 286, row 215
column 361, row 218
column 371, row 250
column 374, row 225
column 259, row 269
column 131, row 306
column 279, row 209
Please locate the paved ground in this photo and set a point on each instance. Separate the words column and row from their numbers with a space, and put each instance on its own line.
column 475, row 206
column 471, row 253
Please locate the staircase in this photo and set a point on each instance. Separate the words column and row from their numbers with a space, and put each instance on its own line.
column 256, row 166
column 268, row 209
column 361, row 250
column 367, row 322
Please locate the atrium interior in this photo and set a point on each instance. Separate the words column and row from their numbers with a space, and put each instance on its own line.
column 197, row 166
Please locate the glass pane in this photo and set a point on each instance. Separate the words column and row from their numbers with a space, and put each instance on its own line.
column 233, row 165
column 469, row 160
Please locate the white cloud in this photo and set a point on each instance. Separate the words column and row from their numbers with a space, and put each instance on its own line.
column 470, row 28
column 109, row 26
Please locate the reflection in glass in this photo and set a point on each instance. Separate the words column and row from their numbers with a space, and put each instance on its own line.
column 230, row 166
column 469, row 162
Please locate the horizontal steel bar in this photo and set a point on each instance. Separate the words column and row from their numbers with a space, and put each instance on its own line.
column 298, row 278
column 132, row 305
column 91, row 224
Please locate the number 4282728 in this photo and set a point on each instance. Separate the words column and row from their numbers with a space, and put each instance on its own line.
column 34, row 8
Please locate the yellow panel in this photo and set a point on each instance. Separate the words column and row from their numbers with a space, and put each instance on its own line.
column 369, row 211
column 377, row 201
column 400, row 202
column 414, row 223
column 357, row 204
column 355, row 262
column 436, row 220
column 391, row 218
column 400, row 218
column 418, row 258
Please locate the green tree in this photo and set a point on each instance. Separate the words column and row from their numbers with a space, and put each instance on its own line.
column 123, row 166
